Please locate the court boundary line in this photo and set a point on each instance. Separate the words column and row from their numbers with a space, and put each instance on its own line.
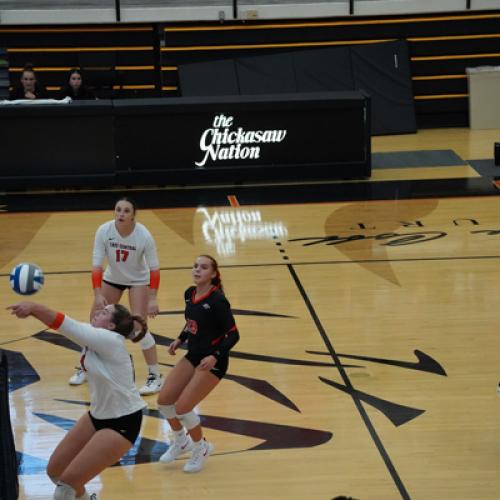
column 350, row 388
column 303, row 263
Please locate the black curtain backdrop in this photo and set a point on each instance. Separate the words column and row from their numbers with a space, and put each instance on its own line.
column 222, row 78
column 271, row 74
column 380, row 70
column 383, row 72
column 323, row 69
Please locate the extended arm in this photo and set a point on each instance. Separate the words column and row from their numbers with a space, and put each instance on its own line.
column 49, row 317
column 81, row 333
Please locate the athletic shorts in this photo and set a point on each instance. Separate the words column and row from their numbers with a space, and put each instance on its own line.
column 116, row 285
column 127, row 426
column 220, row 368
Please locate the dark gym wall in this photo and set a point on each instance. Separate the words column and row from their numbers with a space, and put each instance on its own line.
column 380, row 70
column 148, row 56
column 441, row 46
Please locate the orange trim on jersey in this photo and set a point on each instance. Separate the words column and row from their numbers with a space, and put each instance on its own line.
column 96, row 278
column 57, row 321
column 218, row 339
column 154, row 279
column 203, row 297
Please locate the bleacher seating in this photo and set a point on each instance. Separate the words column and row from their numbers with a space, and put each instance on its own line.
column 148, row 55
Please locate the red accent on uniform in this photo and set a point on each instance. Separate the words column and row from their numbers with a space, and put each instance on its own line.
column 57, row 321
column 82, row 360
column 203, row 297
column 154, row 279
column 218, row 339
column 96, row 278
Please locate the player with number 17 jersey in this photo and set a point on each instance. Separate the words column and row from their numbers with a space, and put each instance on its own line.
column 129, row 258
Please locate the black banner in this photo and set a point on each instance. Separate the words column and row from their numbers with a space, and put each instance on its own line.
column 322, row 135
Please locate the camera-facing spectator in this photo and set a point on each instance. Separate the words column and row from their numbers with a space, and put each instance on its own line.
column 75, row 87
column 28, row 87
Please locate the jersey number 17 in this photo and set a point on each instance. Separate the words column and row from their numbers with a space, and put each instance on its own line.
column 121, row 255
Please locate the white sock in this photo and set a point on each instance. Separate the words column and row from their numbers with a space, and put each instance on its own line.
column 199, row 443
column 64, row 491
column 154, row 369
column 180, row 435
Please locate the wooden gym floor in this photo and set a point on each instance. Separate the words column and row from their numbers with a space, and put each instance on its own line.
column 368, row 312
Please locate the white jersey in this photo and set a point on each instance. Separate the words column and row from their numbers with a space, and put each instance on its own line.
column 129, row 259
column 109, row 368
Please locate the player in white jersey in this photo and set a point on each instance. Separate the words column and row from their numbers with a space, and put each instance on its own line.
column 105, row 433
column 133, row 264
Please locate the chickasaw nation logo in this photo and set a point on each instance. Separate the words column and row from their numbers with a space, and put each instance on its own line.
column 220, row 143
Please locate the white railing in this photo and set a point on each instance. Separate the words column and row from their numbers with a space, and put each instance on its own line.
column 110, row 11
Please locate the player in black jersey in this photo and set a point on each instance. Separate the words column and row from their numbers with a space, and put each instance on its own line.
column 210, row 332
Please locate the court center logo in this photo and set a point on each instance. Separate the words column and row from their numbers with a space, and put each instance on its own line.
column 221, row 143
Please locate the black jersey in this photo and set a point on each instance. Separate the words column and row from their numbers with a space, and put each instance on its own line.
column 210, row 326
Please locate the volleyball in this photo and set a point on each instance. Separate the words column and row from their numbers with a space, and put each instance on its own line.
column 26, row 279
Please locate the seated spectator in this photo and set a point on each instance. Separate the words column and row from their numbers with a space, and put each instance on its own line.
column 28, row 87
column 75, row 87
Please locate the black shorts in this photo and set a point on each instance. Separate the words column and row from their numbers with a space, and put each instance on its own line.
column 116, row 285
column 127, row 426
column 220, row 368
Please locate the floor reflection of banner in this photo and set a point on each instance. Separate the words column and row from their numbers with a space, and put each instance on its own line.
column 223, row 228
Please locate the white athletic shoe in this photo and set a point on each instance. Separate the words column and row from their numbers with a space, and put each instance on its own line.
column 152, row 385
column 201, row 452
column 176, row 449
column 78, row 378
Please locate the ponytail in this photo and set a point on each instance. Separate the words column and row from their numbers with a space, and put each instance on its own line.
column 137, row 337
column 216, row 280
column 124, row 323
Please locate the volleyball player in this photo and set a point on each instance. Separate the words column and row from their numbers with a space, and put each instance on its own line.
column 210, row 332
column 133, row 265
column 101, row 436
